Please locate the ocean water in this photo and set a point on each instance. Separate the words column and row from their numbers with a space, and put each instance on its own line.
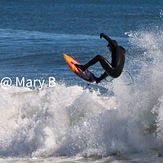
column 50, row 115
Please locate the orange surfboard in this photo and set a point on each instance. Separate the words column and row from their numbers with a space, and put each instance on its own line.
column 86, row 75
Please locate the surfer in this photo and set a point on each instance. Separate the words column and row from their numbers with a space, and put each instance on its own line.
column 113, row 69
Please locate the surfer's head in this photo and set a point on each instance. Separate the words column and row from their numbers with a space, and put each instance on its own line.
column 109, row 47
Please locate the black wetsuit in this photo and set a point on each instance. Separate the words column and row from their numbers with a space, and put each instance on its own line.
column 113, row 69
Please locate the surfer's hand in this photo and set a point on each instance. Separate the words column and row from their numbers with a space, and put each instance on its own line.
column 101, row 35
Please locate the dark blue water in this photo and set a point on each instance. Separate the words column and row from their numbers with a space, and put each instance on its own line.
column 119, row 117
column 35, row 35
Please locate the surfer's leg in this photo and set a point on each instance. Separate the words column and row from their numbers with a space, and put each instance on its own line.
column 104, row 63
column 90, row 63
column 93, row 61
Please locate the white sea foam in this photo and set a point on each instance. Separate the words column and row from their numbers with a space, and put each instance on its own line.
column 70, row 120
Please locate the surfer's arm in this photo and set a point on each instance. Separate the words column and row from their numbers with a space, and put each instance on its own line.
column 107, row 38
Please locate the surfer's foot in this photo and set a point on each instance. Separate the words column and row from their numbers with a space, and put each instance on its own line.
column 98, row 80
column 81, row 67
column 95, row 79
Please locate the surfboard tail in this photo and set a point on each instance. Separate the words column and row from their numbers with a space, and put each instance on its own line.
column 85, row 75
